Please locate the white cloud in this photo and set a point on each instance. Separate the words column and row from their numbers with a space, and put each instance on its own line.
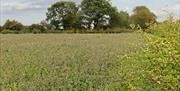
column 175, row 9
column 19, row 5
column 14, row 5
column 165, row 11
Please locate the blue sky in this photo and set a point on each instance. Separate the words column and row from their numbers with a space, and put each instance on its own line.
column 33, row 11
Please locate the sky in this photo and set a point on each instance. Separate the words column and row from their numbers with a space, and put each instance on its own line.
column 34, row 11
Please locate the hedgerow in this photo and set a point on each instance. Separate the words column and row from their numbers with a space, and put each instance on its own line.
column 161, row 53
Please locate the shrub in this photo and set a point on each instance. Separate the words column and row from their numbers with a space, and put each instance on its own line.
column 162, row 54
column 13, row 25
column 16, row 27
column 35, row 31
column 6, row 31
column 25, row 30
column 163, row 50
column 36, row 28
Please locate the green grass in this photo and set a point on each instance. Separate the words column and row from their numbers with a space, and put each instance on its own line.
column 73, row 62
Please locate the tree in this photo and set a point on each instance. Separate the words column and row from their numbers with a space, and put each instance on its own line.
column 97, row 13
column 1, row 28
column 142, row 15
column 120, row 19
column 13, row 25
column 77, row 21
column 45, row 25
column 124, row 19
column 17, row 27
column 61, row 14
column 36, row 28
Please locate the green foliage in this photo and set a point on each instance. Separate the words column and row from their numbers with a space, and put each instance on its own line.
column 121, row 19
column 143, row 16
column 164, row 48
column 97, row 13
column 13, row 25
column 37, row 28
column 45, row 25
column 6, row 31
column 161, row 53
column 124, row 19
column 61, row 14
column 77, row 21
column 1, row 28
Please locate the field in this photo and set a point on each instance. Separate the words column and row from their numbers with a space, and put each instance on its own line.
column 74, row 62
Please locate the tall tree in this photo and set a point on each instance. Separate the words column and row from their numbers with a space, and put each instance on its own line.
column 120, row 19
column 124, row 19
column 97, row 12
column 142, row 15
column 61, row 14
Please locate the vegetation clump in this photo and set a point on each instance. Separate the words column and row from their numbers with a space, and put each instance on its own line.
column 161, row 53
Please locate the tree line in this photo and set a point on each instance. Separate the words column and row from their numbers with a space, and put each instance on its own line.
column 91, row 15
